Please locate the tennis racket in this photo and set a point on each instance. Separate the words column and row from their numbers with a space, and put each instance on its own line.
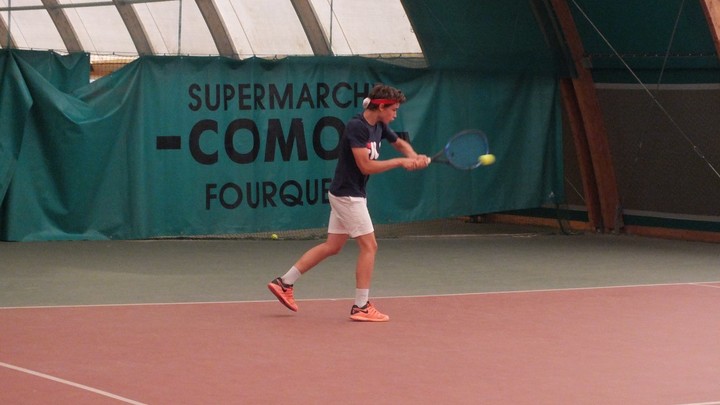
column 466, row 150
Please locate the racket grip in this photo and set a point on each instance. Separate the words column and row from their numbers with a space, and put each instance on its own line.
column 429, row 160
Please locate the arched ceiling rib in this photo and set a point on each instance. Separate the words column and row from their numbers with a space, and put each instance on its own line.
column 312, row 27
column 65, row 29
column 712, row 13
column 217, row 28
column 134, row 27
column 4, row 37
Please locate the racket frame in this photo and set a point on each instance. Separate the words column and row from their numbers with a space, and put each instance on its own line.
column 442, row 155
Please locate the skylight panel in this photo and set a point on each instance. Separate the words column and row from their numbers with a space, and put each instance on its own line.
column 264, row 28
column 367, row 27
column 31, row 29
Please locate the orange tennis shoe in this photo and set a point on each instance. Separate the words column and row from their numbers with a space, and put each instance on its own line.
column 367, row 313
column 284, row 293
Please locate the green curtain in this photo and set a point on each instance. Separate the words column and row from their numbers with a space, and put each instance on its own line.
column 174, row 146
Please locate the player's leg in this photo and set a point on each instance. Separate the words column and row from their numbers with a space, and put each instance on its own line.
column 332, row 246
column 368, row 247
column 282, row 287
column 363, row 310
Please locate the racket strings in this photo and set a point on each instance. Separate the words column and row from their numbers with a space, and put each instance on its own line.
column 463, row 151
column 654, row 99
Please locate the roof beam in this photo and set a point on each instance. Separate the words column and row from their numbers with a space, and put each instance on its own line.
column 134, row 26
column 582, row 152
column 5, row 36
column 712, row 13
column 593, row 130
column 219, row 32
column 78, row 5
column 63, row 26
column 310, row 23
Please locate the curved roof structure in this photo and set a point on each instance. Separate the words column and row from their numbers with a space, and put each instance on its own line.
column 231, row 28
column 487, row 35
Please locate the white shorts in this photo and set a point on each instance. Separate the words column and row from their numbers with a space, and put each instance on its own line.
column 349, row 216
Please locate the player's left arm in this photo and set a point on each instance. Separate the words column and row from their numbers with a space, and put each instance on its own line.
column 404, row 148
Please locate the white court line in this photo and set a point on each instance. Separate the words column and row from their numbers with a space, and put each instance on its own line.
column 159, row 304
column 703, row 403
column 70, row 383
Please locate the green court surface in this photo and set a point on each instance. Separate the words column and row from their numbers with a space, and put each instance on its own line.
column 472, row 258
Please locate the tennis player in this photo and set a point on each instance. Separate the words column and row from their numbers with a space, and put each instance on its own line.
column 349, row 216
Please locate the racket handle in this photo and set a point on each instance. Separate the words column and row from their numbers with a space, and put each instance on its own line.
column 429, row 160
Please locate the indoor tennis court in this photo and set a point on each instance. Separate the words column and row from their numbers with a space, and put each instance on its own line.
column 544, row 202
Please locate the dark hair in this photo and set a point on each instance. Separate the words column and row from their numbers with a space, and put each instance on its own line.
column 381, row 91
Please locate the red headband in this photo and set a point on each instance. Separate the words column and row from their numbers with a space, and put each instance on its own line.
column 380, row 101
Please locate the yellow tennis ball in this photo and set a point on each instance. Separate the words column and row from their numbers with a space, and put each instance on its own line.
column 273, row 236
column 486, row 160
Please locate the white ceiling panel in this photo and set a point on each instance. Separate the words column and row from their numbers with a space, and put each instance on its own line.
column 264, row 28
column 240, row 28
column 100, row 29
column 32, row 29
column 367, row 27
column 165, row 23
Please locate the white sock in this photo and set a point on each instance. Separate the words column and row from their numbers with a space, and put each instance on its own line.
column 291, row 276
column 361, row 296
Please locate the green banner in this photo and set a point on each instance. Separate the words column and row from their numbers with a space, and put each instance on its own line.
column 180, row 146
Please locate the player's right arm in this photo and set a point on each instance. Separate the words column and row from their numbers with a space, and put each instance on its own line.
column 369, row 166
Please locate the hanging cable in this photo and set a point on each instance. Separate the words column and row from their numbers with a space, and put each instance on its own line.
column 331, row 25
column 180, row 28
column 9, row 22
column 674, row 123
column 672, row 39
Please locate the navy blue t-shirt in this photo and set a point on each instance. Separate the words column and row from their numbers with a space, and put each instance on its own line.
column 348, row 180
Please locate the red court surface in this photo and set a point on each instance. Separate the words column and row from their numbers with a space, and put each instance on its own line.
column 620, row 345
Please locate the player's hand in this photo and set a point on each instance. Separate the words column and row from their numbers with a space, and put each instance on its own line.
column 416, row 163
column 422, row 161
